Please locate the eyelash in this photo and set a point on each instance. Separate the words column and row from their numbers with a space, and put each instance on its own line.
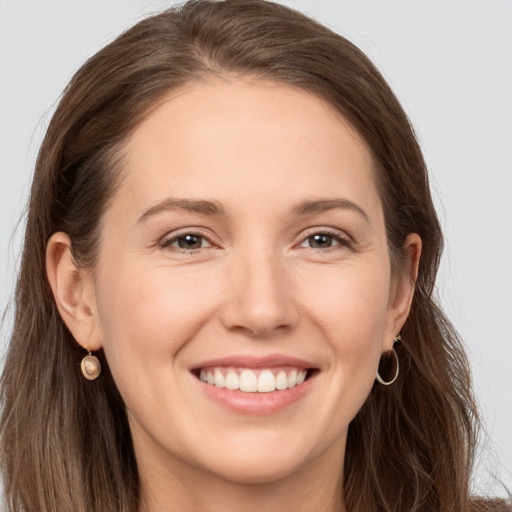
column 343, row 241
column 166, row 243
column 336, row 236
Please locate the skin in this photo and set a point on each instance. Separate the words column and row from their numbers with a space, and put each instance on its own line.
column 257, row 284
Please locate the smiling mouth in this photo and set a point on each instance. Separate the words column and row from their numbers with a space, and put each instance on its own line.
column 249, row 380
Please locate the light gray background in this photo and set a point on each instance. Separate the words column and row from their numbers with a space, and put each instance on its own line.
column 449, row 62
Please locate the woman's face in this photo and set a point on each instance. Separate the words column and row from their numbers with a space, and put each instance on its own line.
column 246, row 247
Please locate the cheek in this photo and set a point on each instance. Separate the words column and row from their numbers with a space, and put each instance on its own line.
column 349, row 306
column 149, row 314
column 349, row 299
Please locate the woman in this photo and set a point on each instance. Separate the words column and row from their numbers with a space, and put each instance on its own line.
column 225, row 296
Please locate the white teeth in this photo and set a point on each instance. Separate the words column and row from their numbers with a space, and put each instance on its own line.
column 232, row 380
column 281, row 380
column 219, row 378
column 248, row 381
column 266, row 382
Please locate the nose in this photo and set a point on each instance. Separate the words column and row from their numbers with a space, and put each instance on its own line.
column 260, row 299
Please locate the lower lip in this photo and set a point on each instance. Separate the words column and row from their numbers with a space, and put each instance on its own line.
column 256, row 404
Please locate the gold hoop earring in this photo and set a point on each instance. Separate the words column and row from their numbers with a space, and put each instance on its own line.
column 389, row 367
column 91, row 366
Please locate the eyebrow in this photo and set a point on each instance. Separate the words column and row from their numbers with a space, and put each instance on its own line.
column 323, row 205
column 215, row 208
column 190, row 205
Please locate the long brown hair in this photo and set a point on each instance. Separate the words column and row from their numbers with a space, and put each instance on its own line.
column 65, row 442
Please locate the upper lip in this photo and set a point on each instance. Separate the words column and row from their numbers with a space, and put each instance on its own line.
column 247, row 361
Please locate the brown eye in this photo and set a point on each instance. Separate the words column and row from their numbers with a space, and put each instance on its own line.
column 187, row 242
column 320, row 241
column 325, row 241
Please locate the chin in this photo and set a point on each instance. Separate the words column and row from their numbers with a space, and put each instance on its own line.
column 260, row 463
column 254, row 472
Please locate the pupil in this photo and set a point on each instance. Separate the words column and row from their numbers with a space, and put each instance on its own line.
column 320, row 241
column 189, row 242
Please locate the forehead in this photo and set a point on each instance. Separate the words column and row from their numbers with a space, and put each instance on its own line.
column 235, row 139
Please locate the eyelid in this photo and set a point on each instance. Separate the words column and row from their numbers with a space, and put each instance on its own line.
column 342, row 237
column 166, row 241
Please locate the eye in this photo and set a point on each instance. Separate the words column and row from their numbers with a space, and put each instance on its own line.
column 325, row 240
column 185, row 242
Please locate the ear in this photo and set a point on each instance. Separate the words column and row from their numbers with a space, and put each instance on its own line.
column 402, row 289
column 73, row 291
